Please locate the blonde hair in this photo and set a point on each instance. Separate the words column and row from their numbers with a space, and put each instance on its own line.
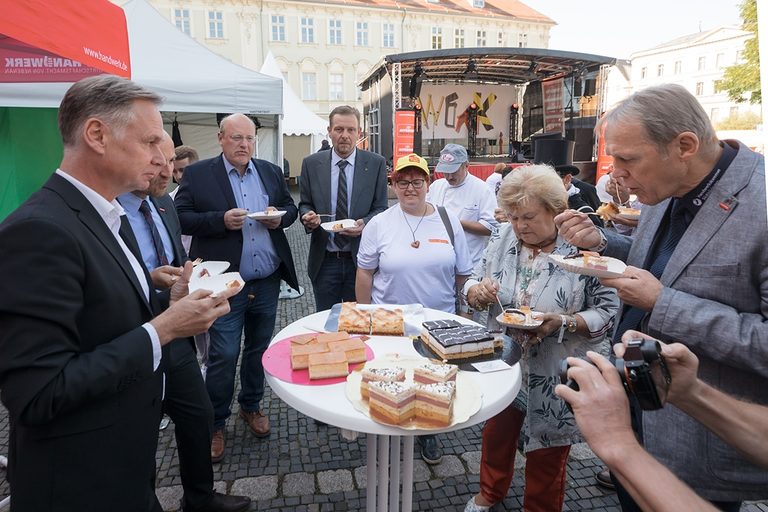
column 533, row 183
column 499, row 167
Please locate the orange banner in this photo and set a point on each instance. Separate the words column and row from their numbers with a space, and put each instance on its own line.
column 405, row 128
column 87, row 32
column 604, row 162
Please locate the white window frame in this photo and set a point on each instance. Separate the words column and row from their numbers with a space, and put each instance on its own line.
column 437, row 38
column 458, row 38
column 277, row 28
column 361, row 33
column 309, row 87
column 335, row 33
column 699, row 88
column 678, row 67
column 522, row 40
column 481, row 37
column 660, row 70
column 388, row 35
column 217, row 18
column 307, row 30
column 478, row 4
column 336, row 86
column 183, row 20
column 702, row 64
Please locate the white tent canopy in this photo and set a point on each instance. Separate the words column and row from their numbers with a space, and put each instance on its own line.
column 297, row 118
column 189, row 77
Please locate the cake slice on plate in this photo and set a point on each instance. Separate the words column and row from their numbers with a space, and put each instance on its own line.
column 300, row 354
column 354, row 349
column 430, row 373
column 388, row 374
column 354, row 320
column 392, row 402
column 327, row 365
column 434, row 402
column 388, row 322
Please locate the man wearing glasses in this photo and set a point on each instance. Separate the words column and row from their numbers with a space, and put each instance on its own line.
column 214, row 203
column 346, row 183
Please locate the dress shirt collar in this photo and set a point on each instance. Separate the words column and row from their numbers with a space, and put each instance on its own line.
column 109, row 211
column 229, row 167
column 335, row 159
column 131, row 202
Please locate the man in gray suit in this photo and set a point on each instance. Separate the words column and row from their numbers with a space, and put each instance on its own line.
column 359, row 178
column 698, row 271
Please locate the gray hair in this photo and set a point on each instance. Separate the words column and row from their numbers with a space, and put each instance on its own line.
column 107, row 97
column 533, row 183
column 664, row 111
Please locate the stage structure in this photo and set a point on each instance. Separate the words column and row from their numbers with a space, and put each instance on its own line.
column 491, row 100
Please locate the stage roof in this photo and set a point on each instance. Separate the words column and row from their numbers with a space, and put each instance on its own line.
column 495, row 65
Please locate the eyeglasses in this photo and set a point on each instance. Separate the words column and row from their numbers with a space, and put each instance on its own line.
column 403, row 184
column 250, row 139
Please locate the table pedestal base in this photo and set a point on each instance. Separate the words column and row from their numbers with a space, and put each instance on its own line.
column 383, row 475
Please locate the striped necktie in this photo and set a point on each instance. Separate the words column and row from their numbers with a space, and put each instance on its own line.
column 341, row 204
column 156, row 240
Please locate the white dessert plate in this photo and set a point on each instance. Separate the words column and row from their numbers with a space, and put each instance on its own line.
column 413, row 316
column 337, row 225
column 266, row 216
column 212, row 268
column 576, row 265
column 628, row 213
column 467, row 402
column 217, row 283
column 532, row 321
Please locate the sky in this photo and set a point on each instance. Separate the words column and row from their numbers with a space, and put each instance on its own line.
column 617, row 28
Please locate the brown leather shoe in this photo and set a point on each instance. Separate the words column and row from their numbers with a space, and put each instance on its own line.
column 217, row 445
column 257, row 421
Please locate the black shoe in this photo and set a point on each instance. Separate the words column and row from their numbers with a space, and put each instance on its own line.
column 222, row 503
column 431, row 452
column 603, row 479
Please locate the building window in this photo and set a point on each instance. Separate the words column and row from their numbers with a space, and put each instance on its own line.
column 714, row 114
column 309, row 86
column 660, row 70
column 437, row 38
column 500, row 39
column 215, row 25
column 720, row 61
column 479, row 4
column 182, row 20
column 388, row 35
column 458, row 38
column 361, row 34
column 643, row 72
column 307, row 30
column 334, row 32
column 734, row 111
column 702, row 63
column 678, row 67
column 336, row 86
column 699, row 88
column 278, row 27
column 522, row 41
column 480, row 38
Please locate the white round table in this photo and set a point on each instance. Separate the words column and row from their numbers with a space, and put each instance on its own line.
column 329, row 404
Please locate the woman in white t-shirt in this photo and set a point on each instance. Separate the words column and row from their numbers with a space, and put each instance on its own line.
column 406, row 256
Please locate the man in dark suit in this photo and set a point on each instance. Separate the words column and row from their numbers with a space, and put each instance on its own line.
column 213, row 203
column 81, row 337
column 153, row 233
column 351, row 173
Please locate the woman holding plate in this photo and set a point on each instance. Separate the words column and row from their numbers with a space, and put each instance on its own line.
column 576, row 313
column 408, row 256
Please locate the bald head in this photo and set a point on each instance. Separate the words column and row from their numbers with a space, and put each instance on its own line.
column 237, row 137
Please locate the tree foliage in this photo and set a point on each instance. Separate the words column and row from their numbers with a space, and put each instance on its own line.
column 742, row 81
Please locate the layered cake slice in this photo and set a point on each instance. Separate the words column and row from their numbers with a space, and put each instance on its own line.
column 594, row 260
column 434, row 402
column 325, row 337
column 354, row 320
column 354, row 349
column 435, row 325
column 430, row 373
column 327, row 365
column 389, row 374
column 461, row 342
column 392, row 402
column 388, row 321
column 300, row 354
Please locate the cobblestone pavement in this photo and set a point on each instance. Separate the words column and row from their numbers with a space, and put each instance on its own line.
column 303, row 466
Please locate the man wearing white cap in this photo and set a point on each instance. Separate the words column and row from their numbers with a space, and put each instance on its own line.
column 466, row 196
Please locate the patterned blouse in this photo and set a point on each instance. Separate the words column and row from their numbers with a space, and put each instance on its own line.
column 532, row 280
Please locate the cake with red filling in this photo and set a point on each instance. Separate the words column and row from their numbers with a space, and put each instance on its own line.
column 354, row 348
column 430, row 373
column 326, row 365
column 388, row 374
column 300, row 354
column 594, row 260
column 392, row 402
column 434, row 402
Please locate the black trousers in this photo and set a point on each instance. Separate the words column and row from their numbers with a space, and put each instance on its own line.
column 186, row 402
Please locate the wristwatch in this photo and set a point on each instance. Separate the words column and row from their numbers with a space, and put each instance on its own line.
column 572, row 324
column 603, row 243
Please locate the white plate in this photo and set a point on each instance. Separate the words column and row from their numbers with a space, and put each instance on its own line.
column 266, row 216
column 332, row 225
column 468, row 399
column 576, row 265
column 628, row 215
column 214, row 268
column 413, row 316
column 527, row 326
column 217, row 283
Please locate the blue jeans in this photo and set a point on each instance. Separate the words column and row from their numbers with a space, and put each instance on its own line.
column 253, row 309
column 335, row 282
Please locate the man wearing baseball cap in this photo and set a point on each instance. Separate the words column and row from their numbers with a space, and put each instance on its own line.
column 466, row 196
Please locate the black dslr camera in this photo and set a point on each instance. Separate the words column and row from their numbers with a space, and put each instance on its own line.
column 643, row 372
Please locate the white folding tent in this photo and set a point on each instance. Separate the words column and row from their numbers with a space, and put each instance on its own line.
column 195, row 83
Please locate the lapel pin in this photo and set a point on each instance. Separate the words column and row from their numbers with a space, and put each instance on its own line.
column 729, row 203
column 162, row 210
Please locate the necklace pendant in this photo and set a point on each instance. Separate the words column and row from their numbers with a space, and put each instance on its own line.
column 415, row 244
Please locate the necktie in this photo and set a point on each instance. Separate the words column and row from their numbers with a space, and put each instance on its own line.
column 341, row 203
column 667, row 242
column 156, row 240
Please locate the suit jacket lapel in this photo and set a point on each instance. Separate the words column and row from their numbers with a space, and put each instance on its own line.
column 324, row 185
column 222, row 178
column 171, row 223
column 95, row 224
column 360, row 181
column 643, row 239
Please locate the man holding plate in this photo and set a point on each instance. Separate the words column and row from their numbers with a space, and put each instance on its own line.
column 698, row 271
